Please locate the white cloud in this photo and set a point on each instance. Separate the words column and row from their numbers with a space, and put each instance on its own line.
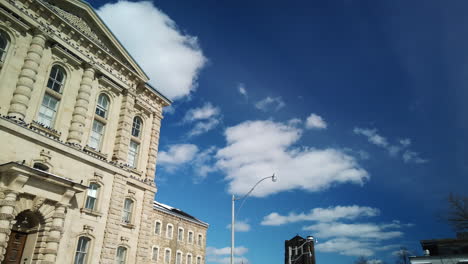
column 257, row 149
column 413, row 157
column 322, row 215
column 372, row 136
column 346, row 246
column 315, row 122
column 374, row 261
column 394, row 150
column 367, row 231
column 176, row 155
column 220, row 255
column 242, row 90
column 171, row 58
column 270, row 104
column 206, row 118
column 202, row 164
column 240, row 226
column 205, row 112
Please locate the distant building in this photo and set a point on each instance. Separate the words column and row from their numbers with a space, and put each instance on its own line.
column 443, row 251
column 299, row 250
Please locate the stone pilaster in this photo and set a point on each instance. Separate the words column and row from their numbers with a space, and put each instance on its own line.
column 114, row 220
column 75, row 133
column 153, row 151
column 122, row 140
column 146, row 226
column 7, row 206
column 27, row 77
column 55, row 234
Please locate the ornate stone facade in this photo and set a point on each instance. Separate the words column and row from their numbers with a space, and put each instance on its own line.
column 79, row 133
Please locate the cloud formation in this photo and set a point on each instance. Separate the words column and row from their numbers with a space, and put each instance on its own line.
column 205, row 119
column 401, row 148
column 240, row 226
column 270, row 104
column 265, row 147
column 177, row 154
column 242, row 90
column 322, row 215
column 221, row 255
column 315, row 121
column 171, row 58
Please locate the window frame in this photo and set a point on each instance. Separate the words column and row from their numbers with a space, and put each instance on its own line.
column 179, row 253
column 166, row 255
column 180, row 235
column 86, row 252
column 55, row 81
column 127, row 216
column 96, row 199
column 167, row 231
column 133, row 154
column 200, row 240
column 187, row 258
column 124, row 261
column 160, row 227
column 139, row 129
column 104, row 109
column 152, row 253
column 190, row 241
column 101, row 135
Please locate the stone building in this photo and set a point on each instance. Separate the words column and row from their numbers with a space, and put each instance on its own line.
column 299, row 250
column 79, row 132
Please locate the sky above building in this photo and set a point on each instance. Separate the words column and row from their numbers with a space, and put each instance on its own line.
column 357, row 106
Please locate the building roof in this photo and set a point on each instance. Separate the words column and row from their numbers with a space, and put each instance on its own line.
column 177, row 212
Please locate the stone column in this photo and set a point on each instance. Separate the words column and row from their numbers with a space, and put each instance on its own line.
column 114, row 220
column 75, row 133
column 27, row 77
column 153, row 151
column 55, row 234
column 122, row 140
column 7, row 206
column 146, row 229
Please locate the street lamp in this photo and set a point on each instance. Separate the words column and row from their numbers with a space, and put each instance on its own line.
column 309, row 239
column 234, row 199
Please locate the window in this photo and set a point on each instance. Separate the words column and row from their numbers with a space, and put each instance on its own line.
column 157, row 228
column 56, row 78
column 121, row 255
column 48, row 110
column 82, row 250
column 189, row 259
column 200, row 239
column 41, row 166
column 136, row 128
column 97, row 133
column 3, row 45
column 155, row 254
column 190, row 237
column 198, row 260
column 127, row 211
column 178, row 259
column 102, row 107
column 180, row 234
column 167, row 256
column 91, row 198
column 169, row 231
column 133, row 154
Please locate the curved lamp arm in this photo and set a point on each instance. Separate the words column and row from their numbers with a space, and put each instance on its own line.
column 273, row 178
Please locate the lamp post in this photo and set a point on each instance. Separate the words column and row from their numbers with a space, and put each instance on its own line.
column 309, row 239
column 233, row 220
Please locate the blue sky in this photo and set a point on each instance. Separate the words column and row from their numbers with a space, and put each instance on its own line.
column 357, row 106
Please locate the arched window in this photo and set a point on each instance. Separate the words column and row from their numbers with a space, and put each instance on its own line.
column 136, row 127
column 180, row 234
column 169, row 230
column 200, row 239
column 92, row 196
column 127, row 211
column 4, row 43
column 82, row 248
column 198, row 260
column 190, row 237
column 157, row 228
column 121, row 256
column 41, row 166
column 102, row 107
column 167, row 256
column 178, row 258
column 155, row 254
column 56, row 79
column 189, row 258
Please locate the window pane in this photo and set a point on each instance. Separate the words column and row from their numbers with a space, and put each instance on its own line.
column 189, row 259
column 81, row 250
column 136, row 128
column 133, row 153
column 47, row 110
column 157, row 228
column 3, row 46
column 178, row 258
column 56, row 78
column 121, row 255
column 180, row 235
column 127, row 211
column 96, row 135
column 154, row 256
column 102, row 106
column 167, row 257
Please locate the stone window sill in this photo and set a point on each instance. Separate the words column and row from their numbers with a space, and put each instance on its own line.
column 95, row 152
column 91, row 212
column 128, row 225
column 45, row 130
